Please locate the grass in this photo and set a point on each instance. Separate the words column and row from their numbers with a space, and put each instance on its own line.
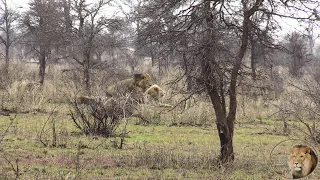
column 176, row 145
column 156, row 152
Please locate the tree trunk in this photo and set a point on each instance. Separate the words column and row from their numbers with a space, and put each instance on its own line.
column 6, row 66
column 214, row 85
column 99, row 56
column 42, row 62
column 7, row 42
column 226, row 141
column 86, row 72
column 253, row 57
column 67, row 17
column 68, row 26
column 114, row 62
column 153, row 60
column 225, row 126
column 214, row 81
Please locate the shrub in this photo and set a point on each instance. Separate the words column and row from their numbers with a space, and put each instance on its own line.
column 101, row 116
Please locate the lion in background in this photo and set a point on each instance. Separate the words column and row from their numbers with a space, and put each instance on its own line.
column 302, row 161
column 139, row 87
column 138, row 83
column 155, row 92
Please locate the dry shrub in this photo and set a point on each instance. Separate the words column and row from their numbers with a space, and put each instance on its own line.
column 23, row 93
column 54, row 87
column 199, row 114
column 25, row 96
column 106, row 76
column 19, row 71
column 72, row 84
column 188, row 109
column 101, row 116
column 256, row 108
column 72, row 80
column 153, row 114
column 300, row 104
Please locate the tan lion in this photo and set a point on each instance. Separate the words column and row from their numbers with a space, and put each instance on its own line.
column 155, row 92
column 139, row 82
column 302, row 161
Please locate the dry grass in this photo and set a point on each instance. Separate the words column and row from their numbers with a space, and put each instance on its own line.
column 179, row 143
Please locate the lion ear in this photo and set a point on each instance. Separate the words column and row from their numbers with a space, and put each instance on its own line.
column 146, row 76
column 308, row 150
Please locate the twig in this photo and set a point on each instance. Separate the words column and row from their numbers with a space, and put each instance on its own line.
column 7, row 129
column 42, row 130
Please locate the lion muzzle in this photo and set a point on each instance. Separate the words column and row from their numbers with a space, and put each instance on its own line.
column 297, row 166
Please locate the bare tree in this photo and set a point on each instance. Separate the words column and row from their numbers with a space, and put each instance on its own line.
column 260, row 41
column 44, row 22
column 89, row 24
column 300, row 54
column 7, row 28
column 211, row 39
column 213, row 64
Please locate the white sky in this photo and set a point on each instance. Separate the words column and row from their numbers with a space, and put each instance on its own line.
column 22, row 5
column 289, row 25
column 18, row 3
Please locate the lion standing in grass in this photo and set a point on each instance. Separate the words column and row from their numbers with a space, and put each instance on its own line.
column 302, row 161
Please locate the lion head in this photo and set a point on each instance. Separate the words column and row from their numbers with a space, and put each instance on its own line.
column 142, row 81
column 155, row 92
column 302, row 161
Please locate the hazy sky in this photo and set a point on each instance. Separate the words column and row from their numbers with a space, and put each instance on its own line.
column 18, row 3
column 289, row 25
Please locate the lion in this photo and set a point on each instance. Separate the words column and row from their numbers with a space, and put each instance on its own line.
column 139, row 82
column 131, row 105
column 155, row 92
column 302, row 161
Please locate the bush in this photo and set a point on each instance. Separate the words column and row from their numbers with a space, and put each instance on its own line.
column 101, row 116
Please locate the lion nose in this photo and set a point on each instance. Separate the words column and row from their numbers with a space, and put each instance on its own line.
column 296, row 163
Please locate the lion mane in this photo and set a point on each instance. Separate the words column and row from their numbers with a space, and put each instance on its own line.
column 139, row 82
column 302, row 161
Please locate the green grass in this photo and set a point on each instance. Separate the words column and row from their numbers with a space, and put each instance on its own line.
column 157, row 152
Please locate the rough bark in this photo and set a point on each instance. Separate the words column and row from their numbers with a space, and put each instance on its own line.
column 7, row 40
column 42, row 62
column 6, row 66
column 214, row 83
column 86, row 71
column 253, row 57
column 42, row 55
